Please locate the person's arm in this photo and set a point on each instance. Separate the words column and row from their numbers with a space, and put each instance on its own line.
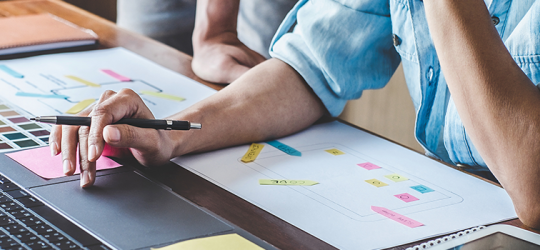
column 218, row 54
column 498, row 104
column 269, row 101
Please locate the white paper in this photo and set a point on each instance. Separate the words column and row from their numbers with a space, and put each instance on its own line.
column 338, row 209
column 47, row 75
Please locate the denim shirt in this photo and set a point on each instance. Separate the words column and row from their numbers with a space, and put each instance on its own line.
column 342, row 47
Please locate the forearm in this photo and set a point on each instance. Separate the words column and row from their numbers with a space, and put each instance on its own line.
column 213, row 18
column 269, row 101
column 496, row 101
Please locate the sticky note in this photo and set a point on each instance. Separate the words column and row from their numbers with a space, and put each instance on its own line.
column 220, row 242
column 368, row 165
column 287, row 182
column 85, row 82
column 285, row 148
column 11, row 71
column 396, row 217
column 422, row 189
column 40, row 161
column 40, row 95
column 80, row 106
column 376, row 183
column 335, row 151
column 406, row 197
column 396, row 177
column 162, row 95
column 252, row 152
column 116, row 75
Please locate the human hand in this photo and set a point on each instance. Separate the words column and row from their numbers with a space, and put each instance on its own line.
column 149, row 146
column 223, row 58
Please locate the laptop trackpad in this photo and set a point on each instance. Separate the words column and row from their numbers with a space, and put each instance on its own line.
column 130, row 211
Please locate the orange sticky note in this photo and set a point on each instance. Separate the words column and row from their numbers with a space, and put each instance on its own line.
column 40, row 161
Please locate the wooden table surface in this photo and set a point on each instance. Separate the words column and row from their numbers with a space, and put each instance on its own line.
column 203, row 193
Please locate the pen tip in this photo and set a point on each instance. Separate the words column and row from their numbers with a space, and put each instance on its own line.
column 32, row 119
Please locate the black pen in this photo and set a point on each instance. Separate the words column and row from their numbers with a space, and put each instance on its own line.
column 136, row 122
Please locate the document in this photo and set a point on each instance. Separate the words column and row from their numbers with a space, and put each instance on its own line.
column 370, row 192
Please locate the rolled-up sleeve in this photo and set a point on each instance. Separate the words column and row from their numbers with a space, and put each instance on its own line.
column 339, row 49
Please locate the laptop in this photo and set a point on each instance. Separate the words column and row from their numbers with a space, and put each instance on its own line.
column 125, row 209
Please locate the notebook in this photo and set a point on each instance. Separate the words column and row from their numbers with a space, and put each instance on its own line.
column 31, row 33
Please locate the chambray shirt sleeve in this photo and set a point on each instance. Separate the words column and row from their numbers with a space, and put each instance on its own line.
column 339, row 49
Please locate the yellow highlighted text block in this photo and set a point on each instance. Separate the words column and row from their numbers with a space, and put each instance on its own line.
column 396, row 177
column 85, row 82
column 376, row 183
column 162, row 95
column 252, row 152
column 220, row 242
column 335, row 151
column 80, row 106
column 287, row 182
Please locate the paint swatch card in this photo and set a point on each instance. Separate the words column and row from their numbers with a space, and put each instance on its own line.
column 18, row 132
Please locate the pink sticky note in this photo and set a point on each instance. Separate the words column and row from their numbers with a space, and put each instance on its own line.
column 40, row 161
column 396, row 217
column 116, row 75
column 406, row 197
column 368, row 165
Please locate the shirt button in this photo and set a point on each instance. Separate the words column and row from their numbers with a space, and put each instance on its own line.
column 495, row 20
column 396, row 39
column 429, row 74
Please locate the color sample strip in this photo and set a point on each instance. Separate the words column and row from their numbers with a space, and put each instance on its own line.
column 11, row 71
column 29, row 126
column 26, row 94
column 396, row 177
column 15, row 136
column 252, row 152
column 220, row 242
column 334, row 151
column 287, row 182
column 406, row 197
column 85, row 82
column 396, row 217
column 5, row 146
column 162, row 95
column 26, row 143
column 40, row 133
column 2, row 107
column 368, row 165
column 285, row 148
column 45, row 139
column 8, row 113
column 422, row 189
column 18, row 119
column 2, row 123
column 116, row 75
column 6, row 129
column 40, row 161
column 80, row 106
column 376, row 183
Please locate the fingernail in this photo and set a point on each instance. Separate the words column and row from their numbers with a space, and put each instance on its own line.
column 67, row 166
column 54, row 149
column 114, row 134
column 92, row 151
column 84, row 179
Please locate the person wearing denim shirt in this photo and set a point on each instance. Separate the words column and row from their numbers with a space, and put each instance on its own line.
column 328, row 51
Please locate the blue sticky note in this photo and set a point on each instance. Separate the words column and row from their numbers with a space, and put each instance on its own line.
column 288, row 150
column 41, row 95
column 10, row 71
column 422, row 189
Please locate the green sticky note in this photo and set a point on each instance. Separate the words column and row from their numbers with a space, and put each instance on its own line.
column 287, row 182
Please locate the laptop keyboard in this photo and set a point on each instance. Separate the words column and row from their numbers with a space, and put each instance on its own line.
column 26, row 223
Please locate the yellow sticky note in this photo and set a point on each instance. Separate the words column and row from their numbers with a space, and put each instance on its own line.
column 80, row 106
column 220, row 242
column 335, row 151
column 162, row 95
column 287, row 182
column 252, row 152
column 85, row 82
column 376, row 183
column 396, row 177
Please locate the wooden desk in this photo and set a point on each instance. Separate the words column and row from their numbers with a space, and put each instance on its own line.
column 237, row 211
